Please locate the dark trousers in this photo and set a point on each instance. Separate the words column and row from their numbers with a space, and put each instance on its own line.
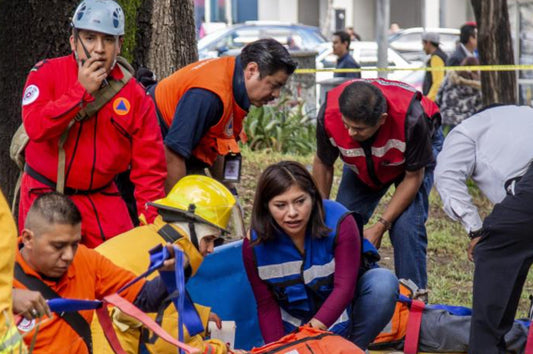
column 502, row 260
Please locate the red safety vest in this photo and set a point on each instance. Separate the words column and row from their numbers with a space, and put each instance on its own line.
column 215, row 75
column 384, row 161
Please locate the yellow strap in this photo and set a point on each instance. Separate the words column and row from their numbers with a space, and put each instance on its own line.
column 12, row 342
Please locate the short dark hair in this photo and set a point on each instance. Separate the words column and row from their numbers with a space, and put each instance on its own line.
column 52, row 208
column 344, row 37
column 362, row 102
column 275, row 180
column 467, row 31
column 270, row 55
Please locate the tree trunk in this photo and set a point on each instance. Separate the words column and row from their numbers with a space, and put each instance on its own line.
column 495, row 47
column 31, row 30
column 166, row 36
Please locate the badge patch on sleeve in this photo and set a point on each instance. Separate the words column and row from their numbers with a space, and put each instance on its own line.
column 30, row 95
column 121, row 106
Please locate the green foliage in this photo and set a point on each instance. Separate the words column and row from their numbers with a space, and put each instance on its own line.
column 130, row 12
column 281, row 128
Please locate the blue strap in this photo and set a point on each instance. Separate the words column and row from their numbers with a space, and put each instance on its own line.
column 175, row 283
column 180, row 285
column 454, row 310
column 158, row 255
column 68, row 305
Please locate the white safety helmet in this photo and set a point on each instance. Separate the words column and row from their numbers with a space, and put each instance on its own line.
column 104, row 16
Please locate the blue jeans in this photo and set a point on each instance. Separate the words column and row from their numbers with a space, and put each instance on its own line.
column 375, row 299
column 408, row 233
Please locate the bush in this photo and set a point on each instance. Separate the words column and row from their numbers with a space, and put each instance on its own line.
column 281, row 127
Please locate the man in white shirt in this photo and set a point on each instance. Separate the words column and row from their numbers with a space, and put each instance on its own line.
column 494, row 148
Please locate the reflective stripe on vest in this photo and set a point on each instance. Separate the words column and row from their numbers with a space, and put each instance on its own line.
column 295, row 322
column 291, row 278
column 279, row 270
column 294, row 268
column 376, row 151
column 11, row 341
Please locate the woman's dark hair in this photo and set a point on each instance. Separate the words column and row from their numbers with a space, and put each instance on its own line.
column 275, row 180
column 470, row 75
column 362, row 102
column 270, row 55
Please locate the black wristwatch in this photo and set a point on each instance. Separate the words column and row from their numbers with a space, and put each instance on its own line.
column 475, row 234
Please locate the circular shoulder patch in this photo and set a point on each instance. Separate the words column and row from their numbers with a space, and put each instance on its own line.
column 121, row 106
column 30, row 95
column 26, row 325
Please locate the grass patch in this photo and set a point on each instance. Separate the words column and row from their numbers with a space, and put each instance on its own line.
column 450, row 273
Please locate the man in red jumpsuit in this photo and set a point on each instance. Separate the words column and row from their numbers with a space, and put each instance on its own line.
column 123, row 134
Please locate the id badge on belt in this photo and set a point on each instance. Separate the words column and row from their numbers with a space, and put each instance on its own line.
column 232, row 167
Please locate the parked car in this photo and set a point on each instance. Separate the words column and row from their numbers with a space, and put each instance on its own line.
column 408, row 42
column 235, row 37
column 366, row 54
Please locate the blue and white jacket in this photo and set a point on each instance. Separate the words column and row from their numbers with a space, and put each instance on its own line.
column 302, row 282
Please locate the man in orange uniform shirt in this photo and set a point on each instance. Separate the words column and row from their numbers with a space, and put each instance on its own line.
column 49, row 252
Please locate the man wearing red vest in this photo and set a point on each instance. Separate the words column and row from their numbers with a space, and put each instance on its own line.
column 386, row 133
column 201, row 106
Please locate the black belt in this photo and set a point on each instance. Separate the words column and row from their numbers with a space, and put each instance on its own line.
column 68, row 191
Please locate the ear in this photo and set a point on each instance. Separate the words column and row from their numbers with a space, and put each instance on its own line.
column 72, row 41
column 382, row 119
column 250, row 70
column 27, row 238
column 120, row 43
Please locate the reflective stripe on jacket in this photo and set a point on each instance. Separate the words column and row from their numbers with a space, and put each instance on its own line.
column 301, row 283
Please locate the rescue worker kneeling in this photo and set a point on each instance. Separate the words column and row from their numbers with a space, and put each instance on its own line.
column 193, row 215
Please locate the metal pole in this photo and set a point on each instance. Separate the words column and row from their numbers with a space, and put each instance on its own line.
column 516, row 47
column 207, row 11
column 442, row 13
column 382, row 26
column 229, row 13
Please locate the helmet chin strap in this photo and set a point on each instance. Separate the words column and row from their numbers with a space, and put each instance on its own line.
column 78, row 39
column 192, row 234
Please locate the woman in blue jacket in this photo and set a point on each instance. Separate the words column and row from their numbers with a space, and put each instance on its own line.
column 303, row 260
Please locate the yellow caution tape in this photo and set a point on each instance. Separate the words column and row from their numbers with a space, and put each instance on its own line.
column 438, row 68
